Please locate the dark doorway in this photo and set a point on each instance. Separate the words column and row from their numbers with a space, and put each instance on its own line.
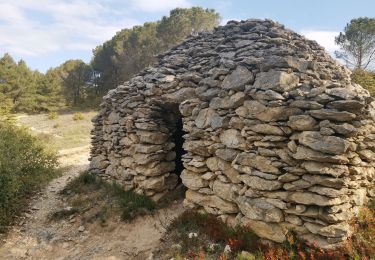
column 178, row 139
column 172, row 119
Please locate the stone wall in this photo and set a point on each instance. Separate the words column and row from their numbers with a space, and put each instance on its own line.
column 277, row 136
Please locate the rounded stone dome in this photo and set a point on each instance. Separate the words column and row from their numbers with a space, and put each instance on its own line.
column 259, row 124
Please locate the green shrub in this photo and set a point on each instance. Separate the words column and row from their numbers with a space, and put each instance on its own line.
column 366, row 79
column 5, row 112
column 52, row 115
column 78, row 116
column 25, row 166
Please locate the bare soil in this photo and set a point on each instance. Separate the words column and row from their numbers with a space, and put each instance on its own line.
column 37, row 237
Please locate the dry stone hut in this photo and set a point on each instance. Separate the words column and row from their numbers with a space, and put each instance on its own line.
column 260, row 124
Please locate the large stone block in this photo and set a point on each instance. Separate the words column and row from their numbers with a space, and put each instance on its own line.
column 193, row 180
column 256, row 161
column 266, row 230
column 276, row 80
column 325, row 144
column 211, row 201
column 238, row 78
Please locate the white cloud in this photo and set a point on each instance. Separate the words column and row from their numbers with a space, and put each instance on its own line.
column 34, row 28
column 324, row 38
column 159, row 5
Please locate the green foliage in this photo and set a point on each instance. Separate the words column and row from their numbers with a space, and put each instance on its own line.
column 50, row 92
column 74, row 75
column 183, row 22
column 22, row 89
column 25, row 166
column 5, row 112
column 131, row 50
column 357, row 43
column 366, row 79
column 78, row 116
column 128, row 203
column 52, row 115
column 80, row 85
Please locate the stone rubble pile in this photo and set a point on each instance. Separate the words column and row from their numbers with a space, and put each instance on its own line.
column 277, row 137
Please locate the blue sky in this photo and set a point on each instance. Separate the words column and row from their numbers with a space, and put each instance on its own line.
column 45, row 33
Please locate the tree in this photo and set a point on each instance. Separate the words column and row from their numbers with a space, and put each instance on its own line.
column 17, row 84
column 131, row 50
column 366, row 79
column 183, row 22
column 49, row 94
column 8, row 69
column 74, row 75
column 357, row 43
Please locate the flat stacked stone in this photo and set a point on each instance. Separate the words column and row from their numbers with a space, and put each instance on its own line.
column 277, row 136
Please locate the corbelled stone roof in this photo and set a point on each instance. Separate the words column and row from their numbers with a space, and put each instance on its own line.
column 277, row 137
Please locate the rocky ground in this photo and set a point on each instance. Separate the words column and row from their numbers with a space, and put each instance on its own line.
column 38, row 237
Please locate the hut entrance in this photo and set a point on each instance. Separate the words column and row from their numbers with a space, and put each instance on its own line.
column 173, row 120
column 178, row 140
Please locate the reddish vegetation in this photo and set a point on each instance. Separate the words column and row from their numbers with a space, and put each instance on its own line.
column 359, row 246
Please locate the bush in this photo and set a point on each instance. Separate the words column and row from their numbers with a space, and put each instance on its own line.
column 366, row 79
column 52, row 115
column 78, row 116
column 25, row 166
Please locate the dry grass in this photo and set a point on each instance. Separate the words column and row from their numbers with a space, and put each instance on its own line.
column 97, row 199
column 61, row 131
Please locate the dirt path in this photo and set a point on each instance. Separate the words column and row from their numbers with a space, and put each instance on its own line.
column 38, row 238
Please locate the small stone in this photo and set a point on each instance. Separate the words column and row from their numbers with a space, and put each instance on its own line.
column 211, row 201
column 260, row 184
column 227, row 249
column 232, row 139
column 341, row 93
column 352, row 106
column 152, row 137
column 193, row 180
column 81, row 228
column 192, row 235
column 267, row 129
column 309, row 198
column 336, row 230
column 295, row 220
column 302, row 122
column 223, row 190
column 334, row 115
column 259, row 162
column 259, row 209
column 288, row 177
column 306, row 104
column 334, row 170
column 367, row 155
column 307, row 154
column 226, row 154
column 266, row 230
